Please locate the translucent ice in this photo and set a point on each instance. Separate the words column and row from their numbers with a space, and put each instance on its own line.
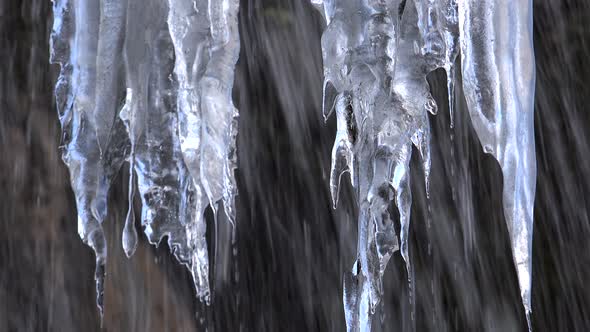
column 206, row 43
column 377, row 54
column 87, row 39
column 177, row 135
column 498, row 66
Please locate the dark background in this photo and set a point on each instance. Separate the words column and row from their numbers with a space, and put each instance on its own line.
column 292, row 248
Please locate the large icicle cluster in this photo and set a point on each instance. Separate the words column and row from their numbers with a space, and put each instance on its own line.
column 377, row 54
column 176, row 128
column 177, row 125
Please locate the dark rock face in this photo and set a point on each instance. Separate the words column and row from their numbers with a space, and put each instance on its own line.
column 292, row 248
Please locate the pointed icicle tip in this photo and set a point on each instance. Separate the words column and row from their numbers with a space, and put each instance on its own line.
column 451, row 94
column 99, row 275
column 528, row 320
column 129, row 237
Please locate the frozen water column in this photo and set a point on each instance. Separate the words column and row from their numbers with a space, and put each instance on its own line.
column 87, row 36
column 206, row 43
column 498, row 78
column 498, row 68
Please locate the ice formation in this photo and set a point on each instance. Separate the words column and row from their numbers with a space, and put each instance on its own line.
column 177, row 124
column 377, row 54
column 176, row 127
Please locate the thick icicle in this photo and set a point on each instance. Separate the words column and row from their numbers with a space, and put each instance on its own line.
column 498, row 67
column 179, row 138
column 377, row 55
column 61, row 44
column 87, row 37
column 218, row 112
column 206, row 44
column 371, row 60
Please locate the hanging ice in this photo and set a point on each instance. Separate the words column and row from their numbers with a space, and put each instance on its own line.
column 178, row 135
column 377, row 54
column 498, row 66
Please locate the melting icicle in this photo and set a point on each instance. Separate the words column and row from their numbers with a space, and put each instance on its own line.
column 179, row 137
column 377, row 55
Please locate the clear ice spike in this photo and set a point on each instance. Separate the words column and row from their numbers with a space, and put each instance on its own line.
column 498, row 66
column 206, row 47
column 86, row 39
column 377, row 55
column 342, row 154
column 218, row 112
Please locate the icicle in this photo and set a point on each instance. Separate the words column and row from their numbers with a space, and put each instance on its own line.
column 497, row 61
column 218, row 111
column 87, row 36
column 206, row 44
column 450, row 28
column 135, row 70
column 421, row 139
column 363, row 47
column 325, row 111
column 342, row 155
column 380, row 62
column 196, row 239
column 180, row 141
column 403, row 201
column 129, row 237
column 62, row 34
column 128, row 115
column 351, row 298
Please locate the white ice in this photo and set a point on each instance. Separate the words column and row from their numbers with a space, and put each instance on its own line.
column 177, row 127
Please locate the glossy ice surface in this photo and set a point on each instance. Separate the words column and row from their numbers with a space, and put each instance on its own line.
column 176, row 127
column 150, row 82
column 377, row 54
